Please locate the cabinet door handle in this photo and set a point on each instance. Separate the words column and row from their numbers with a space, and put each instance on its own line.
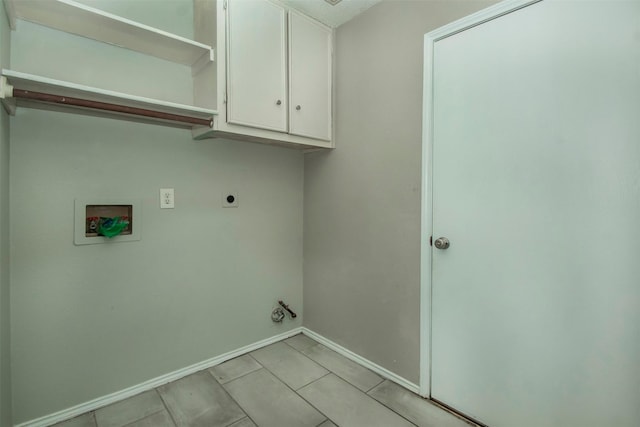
column 298, row 107
column 278, row 102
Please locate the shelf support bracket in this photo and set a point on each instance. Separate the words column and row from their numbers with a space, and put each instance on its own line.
column 200, row 64
column 6, row 96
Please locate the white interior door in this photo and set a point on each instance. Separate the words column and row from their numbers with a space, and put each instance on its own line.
column 257, row 64
column 536, row 184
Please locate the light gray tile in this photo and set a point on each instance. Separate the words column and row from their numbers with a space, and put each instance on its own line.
column 300, row 342
column 129, row 410
column 413, row 407
column 235, row 368
column 159, row 419
column 348, row 406
column 327, row 423
column 198, row 400
column 291, row 366
column 84, row 420
column 245, row 422
column 270, row 403
column 346, row 369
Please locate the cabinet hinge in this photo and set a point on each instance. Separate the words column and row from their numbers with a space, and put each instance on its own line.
column 430, row 240
column 225, row 98
column 224, row 4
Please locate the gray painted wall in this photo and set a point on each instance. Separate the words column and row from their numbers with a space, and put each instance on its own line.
column 362, row 201
column 91, row 320
column 5, row 330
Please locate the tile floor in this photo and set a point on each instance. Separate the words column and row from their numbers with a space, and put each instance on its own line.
column 293, row 383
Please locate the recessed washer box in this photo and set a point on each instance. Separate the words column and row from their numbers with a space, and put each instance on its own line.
column 88, row 212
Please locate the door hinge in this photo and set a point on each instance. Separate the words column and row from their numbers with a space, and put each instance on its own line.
column 224, row 4
column 430, row 240
column 225, row 98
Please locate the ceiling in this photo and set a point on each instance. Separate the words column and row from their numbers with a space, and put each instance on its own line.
column 333, row 16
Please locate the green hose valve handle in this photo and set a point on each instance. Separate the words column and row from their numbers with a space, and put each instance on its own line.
column 111, row 227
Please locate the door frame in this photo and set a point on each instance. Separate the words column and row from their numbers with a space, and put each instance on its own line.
column 478, row 18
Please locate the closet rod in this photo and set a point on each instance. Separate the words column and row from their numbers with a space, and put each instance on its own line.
column 96, row 105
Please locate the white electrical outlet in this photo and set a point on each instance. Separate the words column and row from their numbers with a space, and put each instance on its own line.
column 230, row 199
column 166, row 198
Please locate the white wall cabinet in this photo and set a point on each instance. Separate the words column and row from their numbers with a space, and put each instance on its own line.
column 273, row 74
column 309, row 78
column 257, row 80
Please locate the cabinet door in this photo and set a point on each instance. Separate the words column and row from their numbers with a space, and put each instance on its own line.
column 309, row 78
column 256, row 58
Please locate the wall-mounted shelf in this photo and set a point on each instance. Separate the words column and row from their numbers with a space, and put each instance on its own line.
column 62, row 94
column 82, row 20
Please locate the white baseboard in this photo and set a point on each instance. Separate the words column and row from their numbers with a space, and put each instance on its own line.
column 103, row 401
column 383, row 372
column 100, row 402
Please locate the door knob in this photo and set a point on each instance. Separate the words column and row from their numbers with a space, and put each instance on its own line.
column 442, row 243
column 278, row 102
column 298, row 107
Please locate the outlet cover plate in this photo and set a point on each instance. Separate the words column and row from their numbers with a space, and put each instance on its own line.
column 230, row 199
column 167, row 200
